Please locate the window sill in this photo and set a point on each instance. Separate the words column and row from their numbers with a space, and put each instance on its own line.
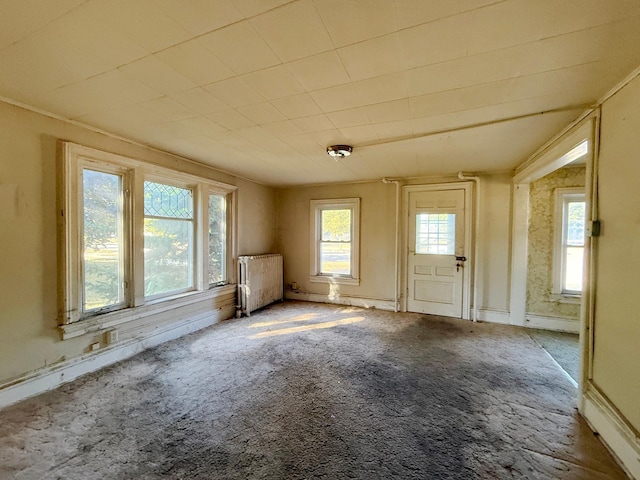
column 334, row 279
column 108, row 320
column 566, row 299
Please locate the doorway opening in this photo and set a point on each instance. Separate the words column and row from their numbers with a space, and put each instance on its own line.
column 552, row 248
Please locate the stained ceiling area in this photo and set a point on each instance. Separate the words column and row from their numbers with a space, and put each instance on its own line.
column 260, row 88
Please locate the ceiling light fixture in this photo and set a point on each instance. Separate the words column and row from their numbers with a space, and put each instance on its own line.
column 339, row 151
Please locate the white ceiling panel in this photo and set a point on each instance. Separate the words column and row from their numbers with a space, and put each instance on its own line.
column 262, row 113
column 297, row 106
column 319, row 71
column 235, row 92
column 158, row 75
column 20, row 19
column 195, row 62
column 200, row 101
column 240, row 47
column 198, row 16
column 261, row 87
column 294, row 30
column 374, row 57
column 274, row 82
column 359, row 20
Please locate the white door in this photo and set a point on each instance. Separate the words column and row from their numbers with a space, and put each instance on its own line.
column 436, row 252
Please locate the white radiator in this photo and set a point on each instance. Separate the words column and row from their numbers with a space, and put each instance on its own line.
column 259, row 281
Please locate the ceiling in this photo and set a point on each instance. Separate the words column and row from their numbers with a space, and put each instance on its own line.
column 260, row 88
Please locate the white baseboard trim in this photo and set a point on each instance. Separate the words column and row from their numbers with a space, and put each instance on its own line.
column 560, row 324
column 48, row 378
column 493, row 316
column 342, row 300
column 614, row 432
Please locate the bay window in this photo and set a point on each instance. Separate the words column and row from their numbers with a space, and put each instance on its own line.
column 134, row 234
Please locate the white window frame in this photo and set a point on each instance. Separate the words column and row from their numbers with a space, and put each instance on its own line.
column 317, row 207
column 231, row 229
column 562, row 197
column 73, row 159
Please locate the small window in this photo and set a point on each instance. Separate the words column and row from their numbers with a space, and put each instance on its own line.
column 335, row 234
column 569, row 233
column 436, row 233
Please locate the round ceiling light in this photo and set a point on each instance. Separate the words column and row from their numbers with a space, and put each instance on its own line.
column 339, row 151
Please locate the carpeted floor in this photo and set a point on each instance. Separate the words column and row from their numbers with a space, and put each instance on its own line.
column 563, row 347
column 310, row 391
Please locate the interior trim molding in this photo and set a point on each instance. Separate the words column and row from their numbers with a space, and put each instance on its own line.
column 494, row 316
column 48, row 378
column 560, row 324
column 363, row 302
column 618, row 437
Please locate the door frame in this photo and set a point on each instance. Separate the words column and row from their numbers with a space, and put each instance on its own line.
column 469, row 236
column 549, row 158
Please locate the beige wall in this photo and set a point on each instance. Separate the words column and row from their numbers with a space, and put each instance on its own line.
column 377, row 238
column 494, row 242
column 257, row 215
column 542, row 242
column 617, row 326
column 28, row 258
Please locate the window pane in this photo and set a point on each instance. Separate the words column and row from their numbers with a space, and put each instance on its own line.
column 162, row 200
column 168, row 255
column 436, row 233
column 575, row 223
column 217, row 238
column 102, row 240
column 336, row 225
column 573, row 269
column 335, row 258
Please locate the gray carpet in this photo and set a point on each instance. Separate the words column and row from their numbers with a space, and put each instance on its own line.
column 310, row 391
column 563, row 347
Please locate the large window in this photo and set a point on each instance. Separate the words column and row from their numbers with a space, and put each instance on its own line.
column 135, row 234
column 335, row 234
column 168, row 239
column 103, row 260
column 569, row 239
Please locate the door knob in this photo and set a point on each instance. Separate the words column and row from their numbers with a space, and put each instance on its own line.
column 458, row 265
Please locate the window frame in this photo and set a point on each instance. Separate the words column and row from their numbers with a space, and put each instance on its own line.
column 316, row 209
column 230, row 233
column 73, row 160
column 563, row 196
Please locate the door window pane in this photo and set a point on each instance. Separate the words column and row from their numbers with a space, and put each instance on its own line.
column 103, row 265
column 168, row 239
column 436, row 233
column 217, row 238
